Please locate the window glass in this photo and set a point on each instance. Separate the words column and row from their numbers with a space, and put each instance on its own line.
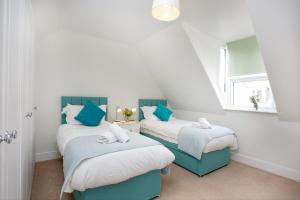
column 242, row 90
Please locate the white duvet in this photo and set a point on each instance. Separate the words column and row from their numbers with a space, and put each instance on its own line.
column 169, row 131
column 114, row 167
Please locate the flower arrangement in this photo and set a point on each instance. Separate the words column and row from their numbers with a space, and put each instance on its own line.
column 255, row 100
column 128, row 112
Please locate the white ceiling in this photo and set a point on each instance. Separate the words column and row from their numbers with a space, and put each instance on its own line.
column 126, row 21
column 226, row 20
column 131, row 21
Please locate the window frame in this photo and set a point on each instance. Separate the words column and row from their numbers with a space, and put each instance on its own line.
column 228, row 82
column 229, row 92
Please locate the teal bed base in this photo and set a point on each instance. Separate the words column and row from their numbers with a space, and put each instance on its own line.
column 209, row 161
column 143, row 187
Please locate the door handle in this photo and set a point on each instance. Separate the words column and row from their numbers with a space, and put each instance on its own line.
column 8, row 137
column 14, row 134
column 28, row 115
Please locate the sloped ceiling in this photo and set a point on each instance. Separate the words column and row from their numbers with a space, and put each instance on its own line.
column 277, row 27
column 226, row 20
column 176, row 67
column 119, row 20
column 208, row 51
column 130, row 21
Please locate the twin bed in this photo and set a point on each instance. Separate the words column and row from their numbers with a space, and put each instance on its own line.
column 133, row 174
column 216, row 154
column 130, row 173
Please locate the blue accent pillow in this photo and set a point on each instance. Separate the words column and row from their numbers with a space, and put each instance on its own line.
column 163, row 113
column 90, row 114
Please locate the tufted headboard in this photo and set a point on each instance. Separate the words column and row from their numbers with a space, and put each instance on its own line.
column 80, row 101
column 150, row 102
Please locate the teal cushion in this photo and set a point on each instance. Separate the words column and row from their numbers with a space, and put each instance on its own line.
column 163, row 113
column 90, row 114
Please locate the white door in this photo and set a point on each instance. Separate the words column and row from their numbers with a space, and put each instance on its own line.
column 16, row 158
column 10, row 109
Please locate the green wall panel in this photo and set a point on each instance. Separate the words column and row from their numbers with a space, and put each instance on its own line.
column 245, row 57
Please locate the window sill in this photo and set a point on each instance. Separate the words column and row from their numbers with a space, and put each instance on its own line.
column 240, row 109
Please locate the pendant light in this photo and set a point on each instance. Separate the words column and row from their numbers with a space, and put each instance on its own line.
column 165, row 10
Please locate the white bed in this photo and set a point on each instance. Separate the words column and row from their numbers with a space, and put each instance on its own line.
column 114, row 167
column 170, row 130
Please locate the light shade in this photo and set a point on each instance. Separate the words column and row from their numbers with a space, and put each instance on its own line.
column 165, row 10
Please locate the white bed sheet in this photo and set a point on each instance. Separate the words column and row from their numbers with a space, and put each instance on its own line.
column 114, row 167
column 169, row 131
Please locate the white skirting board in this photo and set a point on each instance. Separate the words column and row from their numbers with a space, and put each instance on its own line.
column 49, row 155
column 267, row 166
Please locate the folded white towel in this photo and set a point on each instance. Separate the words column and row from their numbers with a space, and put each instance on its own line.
column 120, row 133
column 107, row 138
column 202, row 123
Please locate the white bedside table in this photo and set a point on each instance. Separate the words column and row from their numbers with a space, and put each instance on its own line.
column 132, row 126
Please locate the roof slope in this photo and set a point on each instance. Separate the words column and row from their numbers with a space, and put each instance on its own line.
column 277, row 27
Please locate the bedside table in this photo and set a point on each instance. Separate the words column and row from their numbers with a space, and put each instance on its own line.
column 132, row 126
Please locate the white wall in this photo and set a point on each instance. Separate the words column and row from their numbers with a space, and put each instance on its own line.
column 264, row 141
column 78, row 65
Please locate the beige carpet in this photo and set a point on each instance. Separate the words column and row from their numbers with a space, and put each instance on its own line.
column 235, row 181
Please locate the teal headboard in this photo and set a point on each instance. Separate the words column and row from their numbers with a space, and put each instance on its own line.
column 149, row 102
column 80, row 101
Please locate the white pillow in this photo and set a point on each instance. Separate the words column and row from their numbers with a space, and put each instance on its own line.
column 148, row 113
column 72, row 111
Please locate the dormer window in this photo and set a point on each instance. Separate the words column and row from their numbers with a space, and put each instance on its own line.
column 246, row 84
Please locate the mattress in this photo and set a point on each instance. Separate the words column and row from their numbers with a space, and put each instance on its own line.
column 169, row 130
column 114, row 167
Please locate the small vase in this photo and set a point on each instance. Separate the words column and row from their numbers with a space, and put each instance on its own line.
column 256, row 106
column 126, row 118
